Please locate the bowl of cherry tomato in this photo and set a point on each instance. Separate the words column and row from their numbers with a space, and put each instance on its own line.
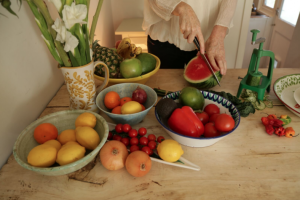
column 219, row 117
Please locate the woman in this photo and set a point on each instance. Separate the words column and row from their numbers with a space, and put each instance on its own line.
column 172, row 25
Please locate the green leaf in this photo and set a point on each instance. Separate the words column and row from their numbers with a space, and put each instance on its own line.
column 6, row 4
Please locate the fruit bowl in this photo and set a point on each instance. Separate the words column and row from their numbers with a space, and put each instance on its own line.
column 140, row 79
column 62, row 120
column 210, row 98
column 125, row 90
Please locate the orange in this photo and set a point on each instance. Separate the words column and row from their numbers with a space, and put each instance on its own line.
column 44, row 132
column 117, row 110
column 124, row 100
column 111, row 100
column 143, row 107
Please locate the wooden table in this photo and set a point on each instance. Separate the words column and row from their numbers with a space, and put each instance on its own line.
column 248, row 164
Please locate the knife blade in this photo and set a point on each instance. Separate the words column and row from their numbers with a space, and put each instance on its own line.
column 196, row 42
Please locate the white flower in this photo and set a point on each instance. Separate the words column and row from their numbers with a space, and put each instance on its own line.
column 57, row 4
column 60, row 28
column 71, row 42
column 74, row 14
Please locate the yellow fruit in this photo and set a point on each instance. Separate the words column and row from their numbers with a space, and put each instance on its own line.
column 69, row 153
column 86, row 119
column 71, row 142
column 87, row 137
column 67, row 136
column 131, row 107
column 169, row 150
column 54, row 143
column 43, row 155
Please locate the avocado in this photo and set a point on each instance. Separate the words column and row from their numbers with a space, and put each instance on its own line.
column 165, row 108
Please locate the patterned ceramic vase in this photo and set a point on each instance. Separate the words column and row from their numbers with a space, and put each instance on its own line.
column 81, row 85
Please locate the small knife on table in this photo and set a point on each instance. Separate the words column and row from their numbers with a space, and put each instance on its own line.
column 196, row 42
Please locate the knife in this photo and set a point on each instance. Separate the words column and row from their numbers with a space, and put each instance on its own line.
column 196, row 42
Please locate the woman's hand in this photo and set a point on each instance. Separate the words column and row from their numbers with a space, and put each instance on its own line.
column 215, row 50
column 189, row 24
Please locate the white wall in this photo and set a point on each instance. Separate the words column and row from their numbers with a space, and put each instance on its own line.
column 28, row 73
column 293, row 55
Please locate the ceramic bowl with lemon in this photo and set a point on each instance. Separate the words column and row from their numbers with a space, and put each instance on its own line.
column 61, row 142
column 142, row 79
column 126, row 90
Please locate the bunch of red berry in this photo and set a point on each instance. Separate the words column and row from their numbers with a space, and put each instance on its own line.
column 134, row 139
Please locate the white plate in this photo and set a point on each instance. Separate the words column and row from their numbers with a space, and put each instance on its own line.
column 297, row 95
column 284, row 89
column 185, row 163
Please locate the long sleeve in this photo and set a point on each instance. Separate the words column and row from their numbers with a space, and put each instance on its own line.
column 226, row 13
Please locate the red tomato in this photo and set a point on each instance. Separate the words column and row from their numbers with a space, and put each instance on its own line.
column 152, row 144
column 213, row 117
column 134, row 141
column 134, row 148
column 142, row 131
column 160, row 138
column 147, row 150
column 117, row 137
column 125, row 141
column 224, row 123
column 133, row 133
column 151, row 137
column 210, row 130
column 143, row 141
column 110, row 135
column 126, row 128
column 212, row 109
column 118, row 128
column 203, row 116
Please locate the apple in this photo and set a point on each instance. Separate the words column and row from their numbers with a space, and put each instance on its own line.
column 117, row 43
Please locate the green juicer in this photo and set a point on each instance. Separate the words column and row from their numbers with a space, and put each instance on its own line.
column 255, row 80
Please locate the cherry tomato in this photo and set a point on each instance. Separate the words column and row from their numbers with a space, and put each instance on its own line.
column 126, row 128
column 160, row 138
column 125, row 141
column 213, row 117
column 151, row 137
column 210, row 130
column 117, row 137
column 134, row 148
column 147, row 150
column 134, row 141
column 142, row 131
column 133, row 133
column 152, row 144
column 144, row 141
column 203, row 116
column 224, row 123
column 118, row 128
column 110, row 135
column 212, row 109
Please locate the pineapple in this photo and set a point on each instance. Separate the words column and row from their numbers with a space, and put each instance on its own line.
column 110, row 58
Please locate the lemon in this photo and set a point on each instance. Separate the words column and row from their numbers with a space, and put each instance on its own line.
column 67, row 136
column 54, row 143
column 70, row 152
column 87, row 137
column 169, row 150
column 43, row 155
column 131, row 107
column 71, row 142
column 86, row 119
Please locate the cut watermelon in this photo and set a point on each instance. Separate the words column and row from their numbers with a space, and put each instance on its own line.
column 198, row 74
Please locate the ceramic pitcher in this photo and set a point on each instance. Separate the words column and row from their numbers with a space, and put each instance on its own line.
column 81, row 85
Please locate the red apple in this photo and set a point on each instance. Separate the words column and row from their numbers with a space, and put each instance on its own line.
column 117, row 43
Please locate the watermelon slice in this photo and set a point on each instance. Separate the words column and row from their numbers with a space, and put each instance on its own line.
column 198, row 74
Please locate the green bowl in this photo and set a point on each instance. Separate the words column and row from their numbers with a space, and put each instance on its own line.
column 63, row 120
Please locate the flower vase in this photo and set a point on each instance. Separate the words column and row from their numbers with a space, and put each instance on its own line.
column 81, row 85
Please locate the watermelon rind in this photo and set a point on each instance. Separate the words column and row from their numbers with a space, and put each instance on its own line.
column 205, row 83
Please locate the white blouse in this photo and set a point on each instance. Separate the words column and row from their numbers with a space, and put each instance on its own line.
column 161, row 25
